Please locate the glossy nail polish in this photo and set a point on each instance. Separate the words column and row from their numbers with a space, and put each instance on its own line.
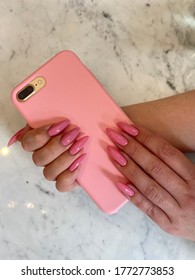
column 15, row 137
column 76, row 163
column 78, row 145
column 126, row 189
column 70, row 136
column 128, row 128
column 117, row 137
column 57, row 128
column 117, row 156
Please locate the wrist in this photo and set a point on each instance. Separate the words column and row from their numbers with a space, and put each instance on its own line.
column 168, row 118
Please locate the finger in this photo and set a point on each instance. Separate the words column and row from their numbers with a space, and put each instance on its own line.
column 151, row 164
column 24, row 131
column 66, row 181
column 174, row 158
column 55, row 147
column 144, row 183
column 61, row 163
column 38, row 137
column 35, row 138
column 145, row 205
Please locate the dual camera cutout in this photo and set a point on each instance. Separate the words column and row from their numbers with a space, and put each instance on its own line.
column 32, row 88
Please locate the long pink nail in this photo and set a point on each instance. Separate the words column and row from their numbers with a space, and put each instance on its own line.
column 126, row 189
column 78, row 145
column 70, row 136
column 117, row 137
column 130, row 129
column 117, row 156
column 15, row 137
column 76, row 163
column 57, row 128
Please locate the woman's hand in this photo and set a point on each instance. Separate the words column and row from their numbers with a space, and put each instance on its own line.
column 57, row 149
column 161, row 179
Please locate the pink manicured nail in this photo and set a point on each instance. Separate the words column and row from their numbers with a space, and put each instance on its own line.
column 76, row 163
column 126, row 189
column 117, row 137
column 15, row 137
column 130, row 129
column 117, row 156
column 78, row 145
column 70, row 136
column 57, row 128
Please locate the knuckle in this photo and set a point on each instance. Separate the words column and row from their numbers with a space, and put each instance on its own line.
column 26, row 143
column 154, row 168
column 151, row 212
column 131, row 172
column 152, row 193
column 140, row 201
column 131, row 149
column 30, row 141
column 146, row 138
column 37, row 159
column 37, row 138
column 166, row 151
column 148, row 209
column 64, row 185
column 48, row 174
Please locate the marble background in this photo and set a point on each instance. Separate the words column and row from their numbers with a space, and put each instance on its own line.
column 139, row 50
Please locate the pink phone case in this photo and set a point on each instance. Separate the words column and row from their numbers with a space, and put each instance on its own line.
column 71, row 91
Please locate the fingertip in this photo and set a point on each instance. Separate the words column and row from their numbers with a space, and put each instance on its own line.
column 57, row 128
column 126, row 189
column 66, row 181
column 76, row 163
column 128, row 128
column 64, row 188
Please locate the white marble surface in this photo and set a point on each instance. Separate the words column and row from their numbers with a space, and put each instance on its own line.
column 139, row 50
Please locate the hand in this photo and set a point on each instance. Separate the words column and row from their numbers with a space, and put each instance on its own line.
column 161, row 179
column 57, row 149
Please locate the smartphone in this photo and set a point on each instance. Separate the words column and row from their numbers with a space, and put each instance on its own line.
column 64, row 88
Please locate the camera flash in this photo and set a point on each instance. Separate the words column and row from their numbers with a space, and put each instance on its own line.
column 32, row 88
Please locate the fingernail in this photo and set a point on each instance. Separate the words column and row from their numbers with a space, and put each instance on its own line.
column 117, row 156
column 130, row 129
column 126, row 189
column 78, row 145
column 70, row 136
column 76, row 163
column 15, row 137
column 57, row 128
column 117, row 137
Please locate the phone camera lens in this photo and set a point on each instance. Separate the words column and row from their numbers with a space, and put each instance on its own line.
column 25, row 92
